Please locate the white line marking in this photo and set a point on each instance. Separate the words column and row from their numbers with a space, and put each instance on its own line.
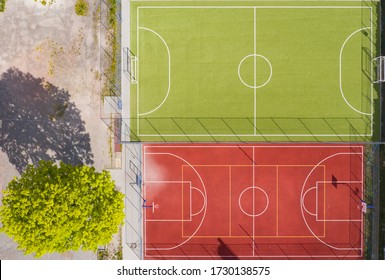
column 150, row 146
column 172, row 182
column 168, row 220
column 236, row 146
column 341, row 181
column 341, row 90
column 190, row 214
column 255, row 71
column 253, row 7
column 337, row 220
column 371, row 75
column 316, row 202
column 138, row 79
column 239, row 201
column 169, row 71
column 203, row 206
column 313, row 214
column 257, row 135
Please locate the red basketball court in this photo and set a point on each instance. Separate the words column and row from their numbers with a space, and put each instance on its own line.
column 253, row 201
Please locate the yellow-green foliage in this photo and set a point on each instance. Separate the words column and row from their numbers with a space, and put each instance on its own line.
column 2, row 5
column 112, row 22
column 81, row 7
column 45, row 2
column 54, row 208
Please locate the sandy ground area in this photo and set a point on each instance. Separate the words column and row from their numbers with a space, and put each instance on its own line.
column 61, row 47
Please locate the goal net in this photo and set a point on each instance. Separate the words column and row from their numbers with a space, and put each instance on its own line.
column 129, row 65
column 379, row 67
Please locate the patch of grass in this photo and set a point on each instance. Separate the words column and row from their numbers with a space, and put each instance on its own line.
column 112, row 49
column 113, row 42
column 81, row 8
column 96, row 25
column 2, row 5
column 102, row 255
column 45, row 2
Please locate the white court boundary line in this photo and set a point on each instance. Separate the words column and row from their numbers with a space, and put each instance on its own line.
column 329, row 182
column 260, row 146
column 302, row 203
column 204, row 213
column 255, row 69
column 255, row 129
column 171, row 182
column 236, row 146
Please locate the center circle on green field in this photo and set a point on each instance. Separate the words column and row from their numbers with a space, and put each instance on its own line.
column 255, row 71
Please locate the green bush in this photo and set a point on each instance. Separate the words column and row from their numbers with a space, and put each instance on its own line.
column 81, row 7
column 45, row 2
column 2, row 5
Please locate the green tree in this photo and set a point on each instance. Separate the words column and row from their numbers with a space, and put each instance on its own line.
column 55, row 208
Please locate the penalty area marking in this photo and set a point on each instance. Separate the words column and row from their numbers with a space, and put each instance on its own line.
column 169, row 71
column 340, row 76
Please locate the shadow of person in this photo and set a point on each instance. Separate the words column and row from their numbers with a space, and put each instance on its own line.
column 225, row 252
column 39, row 122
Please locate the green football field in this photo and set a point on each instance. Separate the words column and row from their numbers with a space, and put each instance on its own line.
column 254, row 71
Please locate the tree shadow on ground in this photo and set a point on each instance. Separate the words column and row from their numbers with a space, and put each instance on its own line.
column 39, row 122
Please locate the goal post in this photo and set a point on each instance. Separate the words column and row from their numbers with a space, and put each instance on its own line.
column 129, row 65
column 379, row 69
